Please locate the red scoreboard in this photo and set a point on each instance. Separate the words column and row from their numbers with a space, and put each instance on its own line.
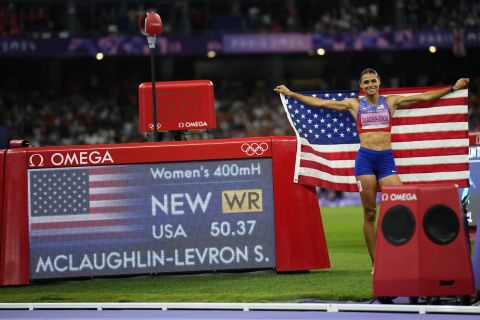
column 181, row 105
column 170, row 207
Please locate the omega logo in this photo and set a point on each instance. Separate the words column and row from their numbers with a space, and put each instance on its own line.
column 399, row 197
column 72, row 158
column 192, row 124
column 36, row 160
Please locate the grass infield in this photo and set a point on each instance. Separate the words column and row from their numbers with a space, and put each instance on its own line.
column 348, row 279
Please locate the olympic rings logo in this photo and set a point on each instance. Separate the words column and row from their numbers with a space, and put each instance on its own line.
column 254, row 148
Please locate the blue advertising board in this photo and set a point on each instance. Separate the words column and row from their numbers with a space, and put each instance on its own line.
column 473, row 192
column 151, row 218
column 240, row 43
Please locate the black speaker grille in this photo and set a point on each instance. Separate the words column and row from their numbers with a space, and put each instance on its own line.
column 441, row 224
column 398, row 225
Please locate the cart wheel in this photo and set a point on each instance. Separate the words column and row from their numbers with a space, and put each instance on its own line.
column 433, row 300
column 466, row 300
column 386, row 300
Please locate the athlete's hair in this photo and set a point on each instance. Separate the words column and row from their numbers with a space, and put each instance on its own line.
column 369, row 71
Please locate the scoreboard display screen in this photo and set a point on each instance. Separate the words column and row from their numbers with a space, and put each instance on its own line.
column 151, row 218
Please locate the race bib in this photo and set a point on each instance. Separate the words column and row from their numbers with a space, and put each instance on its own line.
column 375, row 120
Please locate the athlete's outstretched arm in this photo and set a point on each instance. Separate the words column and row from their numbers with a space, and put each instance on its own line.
column 342, row 105
column 404, row 101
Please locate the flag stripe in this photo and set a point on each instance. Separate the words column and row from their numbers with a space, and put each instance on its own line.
column 402, row 149
column 457, row 182
column 335, row 164
column 429, row 141
column 82, row 217
column 99, row 235
column 446, row 102
column 408, row 91
column 431, row 111
column 111, row 183
column 433, row 127
column 334, row 178
column 436, row 176
column 429, row 119
column 80, row 230
column 425, row 177
column 431, row 144
column 412, row 167
column 112, row 196
column 401, row 152
column 431, row 160
column 436, row 168
column 329, row 155
column 408, row 153
column 346, row 171
column 80, row 224
column 105, row 170
column 444, row 135
column 109, row 177
column 110, row 203
column 331, row 148
column 109, row 190
column 112, row 209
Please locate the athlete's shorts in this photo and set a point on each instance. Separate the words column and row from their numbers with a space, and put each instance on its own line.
column 373, row 162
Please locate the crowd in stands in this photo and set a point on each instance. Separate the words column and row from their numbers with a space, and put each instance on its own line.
column 45, row 18
column 68, row 119
column 100, row 117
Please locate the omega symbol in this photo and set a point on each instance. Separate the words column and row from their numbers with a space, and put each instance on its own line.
column 36, row 160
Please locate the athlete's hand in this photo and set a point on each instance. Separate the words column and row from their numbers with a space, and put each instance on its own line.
column 283, row 90
column 461, row 84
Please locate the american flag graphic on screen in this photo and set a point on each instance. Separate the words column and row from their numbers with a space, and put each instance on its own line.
column 429, row 140
column 80, row 203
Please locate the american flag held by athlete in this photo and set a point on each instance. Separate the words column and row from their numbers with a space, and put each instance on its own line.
column 429, row 140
